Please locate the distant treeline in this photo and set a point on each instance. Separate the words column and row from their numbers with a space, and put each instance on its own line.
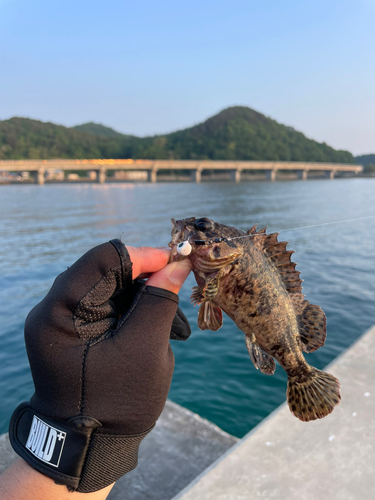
column 237, row 133
column 368, row 161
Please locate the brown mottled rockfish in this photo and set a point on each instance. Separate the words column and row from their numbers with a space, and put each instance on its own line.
column 254, row 282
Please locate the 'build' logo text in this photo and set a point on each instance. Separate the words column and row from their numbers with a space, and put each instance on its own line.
column 45, row 442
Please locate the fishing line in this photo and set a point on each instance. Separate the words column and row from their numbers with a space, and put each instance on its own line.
column 307, row 227
column 219, row 240
column 327, row 223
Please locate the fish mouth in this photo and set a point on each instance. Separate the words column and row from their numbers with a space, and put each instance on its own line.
column 179, row 235
column 175, row 256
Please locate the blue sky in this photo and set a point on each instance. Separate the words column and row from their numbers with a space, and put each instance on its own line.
column 152, row 67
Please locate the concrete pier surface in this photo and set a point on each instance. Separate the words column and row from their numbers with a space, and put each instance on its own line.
column 282, row 458
column 285, row 459
column 180, row 447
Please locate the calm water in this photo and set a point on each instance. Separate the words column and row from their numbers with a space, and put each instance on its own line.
column 43, row 229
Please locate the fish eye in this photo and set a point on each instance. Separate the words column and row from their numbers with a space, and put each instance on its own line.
column 203, row 224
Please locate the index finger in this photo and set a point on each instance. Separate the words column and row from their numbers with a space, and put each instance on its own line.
column 148, row 259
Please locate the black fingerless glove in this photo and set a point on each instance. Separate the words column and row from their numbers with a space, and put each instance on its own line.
column 98, row 346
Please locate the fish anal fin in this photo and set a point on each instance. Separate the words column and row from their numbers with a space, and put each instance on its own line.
column 313, row 394
column 260, row 358
column 312, row 323
column 210, row 316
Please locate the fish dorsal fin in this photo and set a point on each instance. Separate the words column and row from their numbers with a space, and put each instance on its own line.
column 310, row 318
column 281, row 258
column 253, row 230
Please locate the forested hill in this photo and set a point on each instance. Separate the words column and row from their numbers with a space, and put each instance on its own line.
column 366, row 160
column 22, row 138
column 97, row 129
column 237, row 133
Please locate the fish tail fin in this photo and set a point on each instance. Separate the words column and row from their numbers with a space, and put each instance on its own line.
column 313, row 395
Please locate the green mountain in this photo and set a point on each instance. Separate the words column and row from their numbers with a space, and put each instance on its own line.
column 365, row 160
column 368, row 162
column 236, row 133
column 97, row 129
column 23, row 138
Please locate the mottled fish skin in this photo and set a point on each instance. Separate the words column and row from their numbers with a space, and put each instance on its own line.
column 251, row 293
column 239, row 278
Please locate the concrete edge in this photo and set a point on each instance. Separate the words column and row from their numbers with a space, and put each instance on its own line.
column 232, row 448
column 198, row 418
column 258, row 426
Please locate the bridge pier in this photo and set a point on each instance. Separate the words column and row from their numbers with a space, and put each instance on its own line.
column 302, row 174
column 271, row 175
column 101, row 175
column 235, row 175
column 152, row 175
column 39, row 176
column 329, row 174
column 196, row 175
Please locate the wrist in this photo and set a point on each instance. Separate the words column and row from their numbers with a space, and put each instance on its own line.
column 22, row 482
column 71, row 452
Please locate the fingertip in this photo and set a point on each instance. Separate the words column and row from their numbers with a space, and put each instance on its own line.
column 148, row 259
column 172, row 276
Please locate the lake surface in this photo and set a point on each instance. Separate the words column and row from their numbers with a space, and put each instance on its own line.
column 43, row 229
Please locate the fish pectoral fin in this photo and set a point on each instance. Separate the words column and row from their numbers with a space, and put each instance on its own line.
column 210, row 316
column 208, row 292
column 260, row 358
column 197, row 296
column 312, row 323
column 212, row 287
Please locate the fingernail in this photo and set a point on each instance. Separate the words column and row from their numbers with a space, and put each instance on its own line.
column 178, row 271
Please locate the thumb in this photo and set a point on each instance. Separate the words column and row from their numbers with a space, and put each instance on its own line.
column 172, row 276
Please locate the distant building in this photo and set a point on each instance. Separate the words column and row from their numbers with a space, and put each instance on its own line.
column 92, row 175
column 5, row 177
column 54, row 175
column 73, row 177
column 135, row 175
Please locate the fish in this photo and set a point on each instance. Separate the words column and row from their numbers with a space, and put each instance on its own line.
column 251, row 277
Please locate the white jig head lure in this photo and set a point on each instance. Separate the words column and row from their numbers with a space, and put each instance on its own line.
column 184, row 248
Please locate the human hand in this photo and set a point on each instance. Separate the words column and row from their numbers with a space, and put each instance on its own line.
column 98, row 346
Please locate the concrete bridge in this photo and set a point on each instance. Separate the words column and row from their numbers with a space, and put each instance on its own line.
column 236, row 168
